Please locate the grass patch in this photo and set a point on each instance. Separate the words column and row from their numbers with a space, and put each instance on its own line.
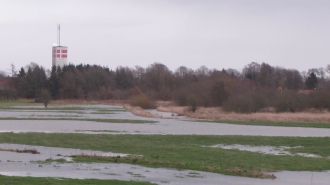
column 20, row 106
column 44, row 109
column 101, row 131
column 275, row 123
column 186, row 152
column 102, row 112
column 77, row 119
column 52, row 181
column 19, row 102
column 48, row 161
column 109, row 111
column 62, row 110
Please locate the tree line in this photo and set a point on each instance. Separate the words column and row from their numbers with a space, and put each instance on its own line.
column 258, row 87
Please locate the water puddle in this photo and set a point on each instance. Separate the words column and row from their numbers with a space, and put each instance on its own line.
column 38, row 161
column 167, row 115
column 269, row 150
column 154, row 175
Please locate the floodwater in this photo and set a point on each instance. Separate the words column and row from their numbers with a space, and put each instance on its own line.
column 13, row 163
column 163, row 126
column 269, row 150
column 167, row 115
column 28, row 164
column 155, row 175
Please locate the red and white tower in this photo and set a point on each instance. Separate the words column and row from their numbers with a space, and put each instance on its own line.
column 59, row 52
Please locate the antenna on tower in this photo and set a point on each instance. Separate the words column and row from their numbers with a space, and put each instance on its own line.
column 59, row 35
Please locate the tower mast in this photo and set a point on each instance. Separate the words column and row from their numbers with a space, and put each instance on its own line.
column 59, row 52
column 59, row 35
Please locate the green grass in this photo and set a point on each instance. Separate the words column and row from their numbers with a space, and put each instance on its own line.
column 11, row 105
column 76, row 110
column 55, row 108
column 40, row 110
column 20, row 102
column 83, row 119
column 186, row 152
column 108, row 111
column 12, row 108
column 275, row 123
column 51, row 181
column 99, row 131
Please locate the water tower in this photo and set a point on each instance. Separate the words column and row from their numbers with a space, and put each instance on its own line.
column 59, row 52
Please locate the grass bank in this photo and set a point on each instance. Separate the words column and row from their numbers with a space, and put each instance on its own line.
column 51, row 181
column 187, row 152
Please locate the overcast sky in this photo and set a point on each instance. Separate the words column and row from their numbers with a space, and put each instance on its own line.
column 215, row 33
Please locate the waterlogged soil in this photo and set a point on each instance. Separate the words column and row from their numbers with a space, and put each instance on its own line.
column 70, row 120
column 269, row 150
column 154, row 175
column 167, row 115
column 27, row 153
column 68, row 112
column 36, row 165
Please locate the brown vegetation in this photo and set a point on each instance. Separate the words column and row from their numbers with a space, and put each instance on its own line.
column 256, row 88
column 29, row 151
column 251, row 173
column 138, row 111
column 142, row 101
column 217, row 114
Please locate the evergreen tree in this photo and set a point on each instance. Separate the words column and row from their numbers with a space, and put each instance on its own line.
column 311, row 81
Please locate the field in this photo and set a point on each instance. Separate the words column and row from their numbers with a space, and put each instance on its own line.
column 190, row 152
column 174, row 150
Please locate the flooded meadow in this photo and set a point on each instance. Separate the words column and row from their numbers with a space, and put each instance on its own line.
column 33, row 160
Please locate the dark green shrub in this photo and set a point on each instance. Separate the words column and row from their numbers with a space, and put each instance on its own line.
column 44, row 97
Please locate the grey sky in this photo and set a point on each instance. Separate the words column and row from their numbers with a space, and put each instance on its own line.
column 215, row 33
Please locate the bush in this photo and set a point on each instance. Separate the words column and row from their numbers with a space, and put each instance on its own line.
column 8, row 94
column 247, row 102
column 291, row 101
column 44, row 97
column 218, row 94
column 198, row 93
column 192, row 103
column 320, row 99
column 239, row 103
column 142, row 101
